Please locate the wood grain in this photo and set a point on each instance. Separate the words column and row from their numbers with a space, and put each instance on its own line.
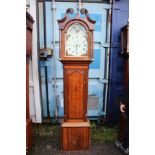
column 75, row 136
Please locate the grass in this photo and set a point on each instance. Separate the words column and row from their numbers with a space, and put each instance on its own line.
column 99, row 134
column 45, row 129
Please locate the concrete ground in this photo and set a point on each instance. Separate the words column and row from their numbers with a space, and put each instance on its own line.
column 46, row 142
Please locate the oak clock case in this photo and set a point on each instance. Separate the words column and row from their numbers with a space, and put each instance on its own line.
column 76, row 53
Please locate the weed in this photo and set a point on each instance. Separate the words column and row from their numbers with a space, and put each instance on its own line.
column 103, row 134
column 99, row 134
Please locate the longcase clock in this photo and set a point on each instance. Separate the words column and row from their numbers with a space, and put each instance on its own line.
column 76, row 53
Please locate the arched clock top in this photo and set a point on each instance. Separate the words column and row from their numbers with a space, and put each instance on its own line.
column 76, row 21
column 66, row 20
column 76, row 37
column 85, row 11
column 68, row 11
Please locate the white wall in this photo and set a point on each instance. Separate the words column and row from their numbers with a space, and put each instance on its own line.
column 34, row 90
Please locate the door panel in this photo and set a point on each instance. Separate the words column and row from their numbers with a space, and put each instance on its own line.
column 75, row 94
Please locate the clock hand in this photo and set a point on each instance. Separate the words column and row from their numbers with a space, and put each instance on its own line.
column 76, row 48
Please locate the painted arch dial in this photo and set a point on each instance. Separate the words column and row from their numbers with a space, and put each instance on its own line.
column 76, row 41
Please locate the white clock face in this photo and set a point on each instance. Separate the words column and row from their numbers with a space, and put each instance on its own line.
column 76, row 41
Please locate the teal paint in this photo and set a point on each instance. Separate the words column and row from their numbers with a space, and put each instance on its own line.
column 96, row 63
column 98, row 19
column 49, row 84
column 43, row 88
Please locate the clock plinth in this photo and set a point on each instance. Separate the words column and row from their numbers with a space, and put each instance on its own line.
column 76, row 53
column 75, row 136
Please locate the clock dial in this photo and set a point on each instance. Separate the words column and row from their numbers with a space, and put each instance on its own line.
column 76, row 41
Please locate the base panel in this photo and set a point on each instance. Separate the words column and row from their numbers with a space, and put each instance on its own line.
column 75, row 136
column 29, row 135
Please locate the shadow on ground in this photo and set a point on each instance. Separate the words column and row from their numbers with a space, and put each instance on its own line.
column 47, row 141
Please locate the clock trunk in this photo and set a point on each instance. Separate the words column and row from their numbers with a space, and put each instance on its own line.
column 75, row 91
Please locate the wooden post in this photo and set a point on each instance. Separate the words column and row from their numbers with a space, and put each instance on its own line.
column 29, row 133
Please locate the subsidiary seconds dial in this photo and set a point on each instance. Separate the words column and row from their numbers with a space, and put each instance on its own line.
column 76, row 41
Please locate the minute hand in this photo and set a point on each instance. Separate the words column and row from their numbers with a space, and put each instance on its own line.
column 76, row 49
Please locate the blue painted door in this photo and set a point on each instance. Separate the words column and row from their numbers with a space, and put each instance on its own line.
column 120, row 17
column 97, row 90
